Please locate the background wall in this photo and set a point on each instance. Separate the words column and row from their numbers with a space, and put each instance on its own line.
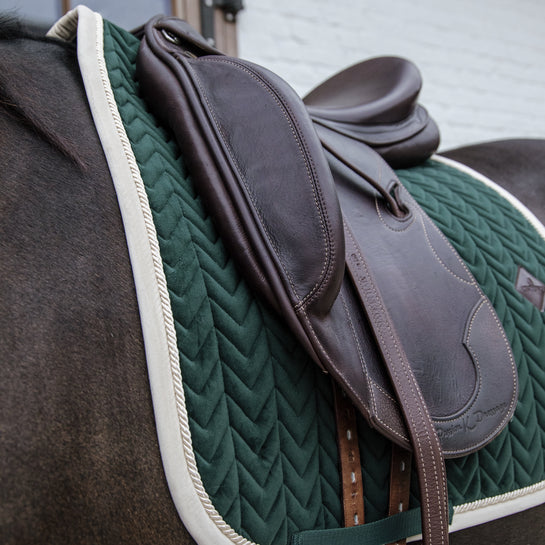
column 483, row 61
column 126, row 13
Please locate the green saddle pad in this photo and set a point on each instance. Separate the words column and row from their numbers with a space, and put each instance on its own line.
column 260, row 412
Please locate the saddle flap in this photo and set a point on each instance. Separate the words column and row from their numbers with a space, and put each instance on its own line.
column 448, row 328
column 255, row 157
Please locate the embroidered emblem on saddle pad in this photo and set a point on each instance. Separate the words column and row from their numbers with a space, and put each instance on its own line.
column 531, row 288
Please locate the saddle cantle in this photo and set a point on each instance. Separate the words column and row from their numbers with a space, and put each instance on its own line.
column 334, row 242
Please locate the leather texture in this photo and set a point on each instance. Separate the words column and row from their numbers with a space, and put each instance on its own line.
column 451, row 334
column 261, row 170
column 376, row 102
column 283, row 222
column 237, row 173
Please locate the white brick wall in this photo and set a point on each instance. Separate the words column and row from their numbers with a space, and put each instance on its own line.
column 483, row 61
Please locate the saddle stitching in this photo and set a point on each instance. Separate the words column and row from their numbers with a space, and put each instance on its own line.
column 373, row 384
column 329, row 251
column 371, row 381
column 472, row 283
column 242, row 177
column 382, row 390
column 403, row 225
column 513, row 401
column 324, row 354
column 358, row 345
column 485, row 301
column 475, row 358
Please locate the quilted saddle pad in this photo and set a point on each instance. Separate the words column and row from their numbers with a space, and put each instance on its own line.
column 245, row 419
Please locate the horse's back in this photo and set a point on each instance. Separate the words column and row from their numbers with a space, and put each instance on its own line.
column 518, row 165
column 81, row 462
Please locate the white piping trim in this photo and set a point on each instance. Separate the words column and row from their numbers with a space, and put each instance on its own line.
column 530, row 217
column 470, row 514
column 184, row 481
column 486, row 510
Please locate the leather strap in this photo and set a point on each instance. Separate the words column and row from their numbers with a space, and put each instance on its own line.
column 349, row 458
column 425, row 443
column 400, row 483
column 384, row 185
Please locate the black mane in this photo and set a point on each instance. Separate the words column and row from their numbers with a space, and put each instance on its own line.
column 11, row 27
column 16, row 74
column 14, row 28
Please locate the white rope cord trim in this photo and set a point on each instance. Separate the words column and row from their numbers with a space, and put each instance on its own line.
column 478, row 512
column 151, row 285
column 168, row 318
column 502, row 498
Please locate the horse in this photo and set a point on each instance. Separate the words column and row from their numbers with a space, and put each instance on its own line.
column 81, row 460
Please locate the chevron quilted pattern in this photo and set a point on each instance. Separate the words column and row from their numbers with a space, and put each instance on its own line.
column 260, row 411
column 262, row 425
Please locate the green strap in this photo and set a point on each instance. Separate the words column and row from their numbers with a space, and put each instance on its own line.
column 381, row 532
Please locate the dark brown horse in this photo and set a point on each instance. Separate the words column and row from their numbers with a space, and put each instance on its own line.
column 80, row 461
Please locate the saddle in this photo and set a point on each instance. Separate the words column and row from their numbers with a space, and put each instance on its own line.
column 323, row 230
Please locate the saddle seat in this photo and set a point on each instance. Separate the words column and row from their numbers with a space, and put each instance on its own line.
column 323, row 230
column 375, row 102
column 379, row 90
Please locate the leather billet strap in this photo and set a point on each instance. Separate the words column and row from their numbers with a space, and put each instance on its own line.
column 353, row 491
column 400, row 483
column 427, row 450
column 349, row 458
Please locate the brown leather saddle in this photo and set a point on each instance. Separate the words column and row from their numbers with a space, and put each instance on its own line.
column 322, row 228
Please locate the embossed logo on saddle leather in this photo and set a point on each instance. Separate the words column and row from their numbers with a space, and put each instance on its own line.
column 531, row 288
